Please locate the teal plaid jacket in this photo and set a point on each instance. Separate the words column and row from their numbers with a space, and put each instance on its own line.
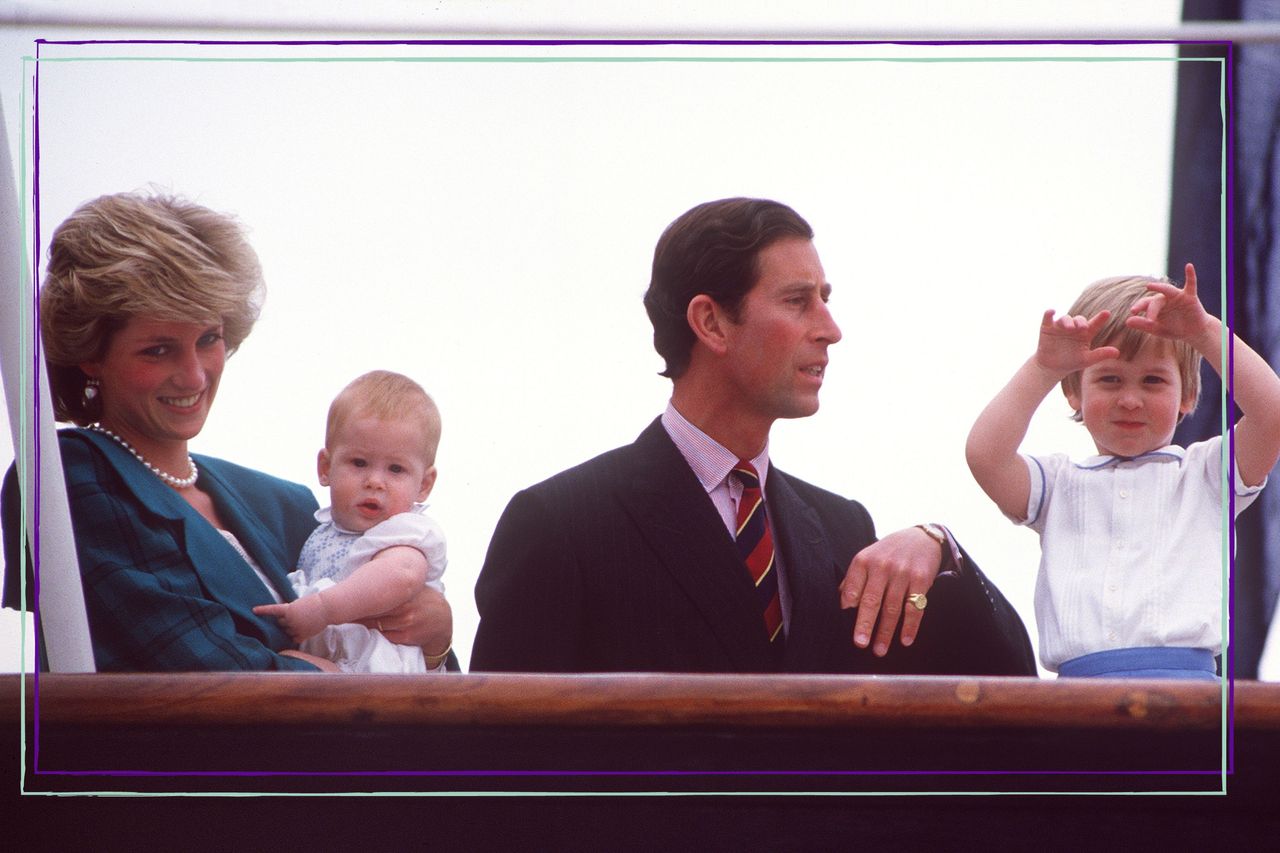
column 162, row 588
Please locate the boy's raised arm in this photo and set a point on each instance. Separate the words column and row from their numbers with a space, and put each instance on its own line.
column 1173, row 312
column 992, row 447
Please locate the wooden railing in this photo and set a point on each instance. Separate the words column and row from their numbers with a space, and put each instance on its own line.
column 106, row 700
column 312, row 733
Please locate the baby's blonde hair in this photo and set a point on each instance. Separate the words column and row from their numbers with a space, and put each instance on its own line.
column 387, row 396
column 1117, row 295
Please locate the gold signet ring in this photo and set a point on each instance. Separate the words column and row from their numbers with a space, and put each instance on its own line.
column 918, row 600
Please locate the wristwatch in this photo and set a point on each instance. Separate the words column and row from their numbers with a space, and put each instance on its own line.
column 936, row 533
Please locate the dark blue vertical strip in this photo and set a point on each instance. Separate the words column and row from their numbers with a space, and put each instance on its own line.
column 1204, row 183
column 1263, row 309
column 1255, row 208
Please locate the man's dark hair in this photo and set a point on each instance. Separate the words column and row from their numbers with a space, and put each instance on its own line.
column 711, row 249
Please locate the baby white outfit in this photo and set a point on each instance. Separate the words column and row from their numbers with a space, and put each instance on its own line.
column 331, row 554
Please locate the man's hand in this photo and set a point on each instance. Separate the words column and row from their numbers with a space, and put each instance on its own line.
column 879, row 580
column 1064, row 345
column 424, row 620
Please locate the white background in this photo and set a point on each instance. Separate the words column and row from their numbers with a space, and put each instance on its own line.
column 486, row 226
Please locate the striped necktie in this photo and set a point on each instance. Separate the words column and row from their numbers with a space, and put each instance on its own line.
column 755, row 546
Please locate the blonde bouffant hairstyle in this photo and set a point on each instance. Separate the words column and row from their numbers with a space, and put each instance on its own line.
column 386, row 396
column 1117, row 295
column 136, row 255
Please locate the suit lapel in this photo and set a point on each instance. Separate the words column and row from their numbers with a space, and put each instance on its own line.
column 810, row 569
column 674, row 514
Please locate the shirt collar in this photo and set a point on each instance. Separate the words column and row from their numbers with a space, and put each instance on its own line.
column 710, row 460
column 1170, row 451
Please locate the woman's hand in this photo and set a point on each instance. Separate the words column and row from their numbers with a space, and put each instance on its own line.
column 426, row 620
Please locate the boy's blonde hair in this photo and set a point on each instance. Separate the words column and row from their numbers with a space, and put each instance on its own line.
column 387, row 396
column 1117, row 295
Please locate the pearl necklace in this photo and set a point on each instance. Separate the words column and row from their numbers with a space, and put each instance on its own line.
column 177, row 482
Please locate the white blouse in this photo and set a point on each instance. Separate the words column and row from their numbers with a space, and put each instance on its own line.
column 257, row 570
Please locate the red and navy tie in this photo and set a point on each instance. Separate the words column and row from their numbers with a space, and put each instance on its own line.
column 755, row 545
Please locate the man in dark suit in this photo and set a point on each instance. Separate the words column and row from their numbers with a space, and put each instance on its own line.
column 687, row 551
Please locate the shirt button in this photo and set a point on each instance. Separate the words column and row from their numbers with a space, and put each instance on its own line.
column 1124, row 493
column 1111, row 636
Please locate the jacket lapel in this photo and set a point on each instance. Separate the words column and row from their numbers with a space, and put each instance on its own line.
column 811, row 572
column 221, row 570
column 674, row 515
column 233, row 506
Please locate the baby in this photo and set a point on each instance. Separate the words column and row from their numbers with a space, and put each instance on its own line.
column 374, row 548
column 1131, row 539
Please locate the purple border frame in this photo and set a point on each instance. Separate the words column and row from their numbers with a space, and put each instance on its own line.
column 1229, row 314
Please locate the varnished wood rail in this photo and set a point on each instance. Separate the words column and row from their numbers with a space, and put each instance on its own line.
column 288, row 732
column 632, row 700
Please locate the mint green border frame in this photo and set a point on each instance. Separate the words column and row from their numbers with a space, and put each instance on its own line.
column 26, row 381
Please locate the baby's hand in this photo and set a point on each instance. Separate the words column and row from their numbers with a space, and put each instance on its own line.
column 1168, row 311
column 1064, row 345
column 301, row 619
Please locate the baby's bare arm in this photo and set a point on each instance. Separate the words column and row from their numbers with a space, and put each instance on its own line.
column 393, row 576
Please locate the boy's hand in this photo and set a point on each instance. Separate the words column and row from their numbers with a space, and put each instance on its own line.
column 300, row 619
column 1169, row 311
column 1064, row 345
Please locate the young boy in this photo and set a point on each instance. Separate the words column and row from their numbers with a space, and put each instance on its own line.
column 1131, row 539
column 374, row 548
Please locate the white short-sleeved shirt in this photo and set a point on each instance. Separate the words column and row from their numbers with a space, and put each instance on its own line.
column 1131, row 550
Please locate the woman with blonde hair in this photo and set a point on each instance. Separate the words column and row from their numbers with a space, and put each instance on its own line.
column 144, row 299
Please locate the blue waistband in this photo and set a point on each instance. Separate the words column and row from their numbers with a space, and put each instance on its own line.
column 1144, row 662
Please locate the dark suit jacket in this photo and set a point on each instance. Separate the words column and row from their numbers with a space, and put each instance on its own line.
column 163, row 589
column 623, row 564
